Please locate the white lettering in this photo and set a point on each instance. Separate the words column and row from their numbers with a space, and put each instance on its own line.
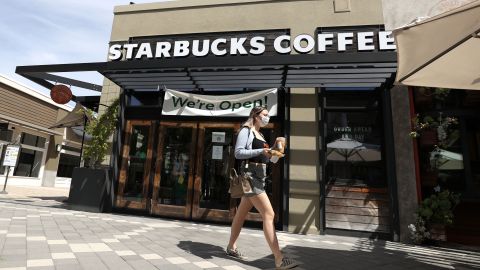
column 297, row 43
column 129, row 48
column 323, row 41
column 236, row 46
column 258, row 45
column 344, row 39
column 144, row 50
column 180, row 49
column 163, row 49
column 277, row 44
column 386, row 41
column 205, row 46
column 365, row 41
column 115, row 52
column 215, row 49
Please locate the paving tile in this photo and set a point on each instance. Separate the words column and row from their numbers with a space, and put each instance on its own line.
column 205, row 264
column 63, row 255
column 141, row 265
column 39, row 262
column 99, row 247
column 125, row 253
column 177, row 260
column 57, row 242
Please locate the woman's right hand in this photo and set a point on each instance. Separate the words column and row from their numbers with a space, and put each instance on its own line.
column 266, row 152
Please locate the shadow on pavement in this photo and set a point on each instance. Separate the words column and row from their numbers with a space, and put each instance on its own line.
column 364, row 254
column 209, row 251
column 55, row 198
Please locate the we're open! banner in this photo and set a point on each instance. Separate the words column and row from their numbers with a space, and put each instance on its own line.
column 187, row 104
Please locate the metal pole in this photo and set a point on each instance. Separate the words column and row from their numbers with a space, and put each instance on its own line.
column 83, row 139
column 5, row 184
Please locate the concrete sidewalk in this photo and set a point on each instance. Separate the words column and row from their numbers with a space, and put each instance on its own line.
column 37, row 232
column 35, row 192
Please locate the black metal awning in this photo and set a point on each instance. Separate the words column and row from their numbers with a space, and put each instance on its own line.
column 363, row 69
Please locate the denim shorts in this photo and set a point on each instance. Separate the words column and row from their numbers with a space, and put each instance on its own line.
column 257, row 174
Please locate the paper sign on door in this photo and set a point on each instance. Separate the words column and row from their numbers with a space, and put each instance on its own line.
column 217, row 152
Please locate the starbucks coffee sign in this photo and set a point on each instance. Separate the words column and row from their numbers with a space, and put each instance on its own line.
column 187, row 104
column 254, row 45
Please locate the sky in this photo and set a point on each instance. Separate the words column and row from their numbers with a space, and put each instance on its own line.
column 40, row 32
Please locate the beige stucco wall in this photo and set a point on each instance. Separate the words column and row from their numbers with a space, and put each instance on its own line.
column 181, row 17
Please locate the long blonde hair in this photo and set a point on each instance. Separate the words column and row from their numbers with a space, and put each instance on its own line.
column 251, row 118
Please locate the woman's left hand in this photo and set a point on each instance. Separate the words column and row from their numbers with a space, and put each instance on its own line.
column 266, row 152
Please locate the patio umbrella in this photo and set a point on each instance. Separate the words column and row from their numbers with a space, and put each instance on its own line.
column 346, row 149
column 441, row 51
column 74, row 118
column 446, row 160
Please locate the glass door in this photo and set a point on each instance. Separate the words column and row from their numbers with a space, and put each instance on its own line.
column 216, row 145
column 192, row 172
column 211, row 200
column 136, row 164
column 173, row 182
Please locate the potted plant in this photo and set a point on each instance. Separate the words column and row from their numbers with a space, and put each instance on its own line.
column 433, row 215
column 91, row 186
column 441, row 131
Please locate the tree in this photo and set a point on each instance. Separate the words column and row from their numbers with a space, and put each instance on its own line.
column 101, row 128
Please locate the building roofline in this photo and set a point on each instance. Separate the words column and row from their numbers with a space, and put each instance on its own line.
column 31, row 92
column 183, row 4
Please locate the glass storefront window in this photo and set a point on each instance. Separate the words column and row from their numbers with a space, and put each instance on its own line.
column 33, row 140
column 2, row 154
column 5, row 134
column 66, row 165
column 29, row 163
column 473, row 140
column 137, row 160
column 175, row 168
column 354, row 149
column 144, row 99
column 218, row 159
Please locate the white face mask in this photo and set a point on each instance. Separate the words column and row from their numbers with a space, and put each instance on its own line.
column 265, row 120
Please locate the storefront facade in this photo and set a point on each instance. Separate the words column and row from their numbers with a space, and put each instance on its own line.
column 166, row 165
column 349, row 166
column 47, row 156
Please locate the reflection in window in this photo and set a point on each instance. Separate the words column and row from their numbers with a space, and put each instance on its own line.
column 5, row 134
column 144, row 99
column 2, row 155
column 354, row 149
column 175, row 168
column 33, row 140
column 136, row 163
column 66, row 165
column 217, row 161
column 29, row 163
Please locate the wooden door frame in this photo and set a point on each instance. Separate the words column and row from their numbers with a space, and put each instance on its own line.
column 173, row 210
column 199, row 213
column 120, row 201
column 217, row 214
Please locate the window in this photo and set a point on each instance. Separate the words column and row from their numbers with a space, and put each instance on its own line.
column 66, row 165
column 5, row 134
column 2, row 154
column 33, row 140
column 353, row 140
column 29, row 163
column 144, row 98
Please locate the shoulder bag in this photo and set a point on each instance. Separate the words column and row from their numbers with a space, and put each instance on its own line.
column 239, row 184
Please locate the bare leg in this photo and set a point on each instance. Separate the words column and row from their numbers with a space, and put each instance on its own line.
column 263, row 205
column 238, row 220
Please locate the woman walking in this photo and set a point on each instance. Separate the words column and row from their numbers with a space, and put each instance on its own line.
column 252, row 148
